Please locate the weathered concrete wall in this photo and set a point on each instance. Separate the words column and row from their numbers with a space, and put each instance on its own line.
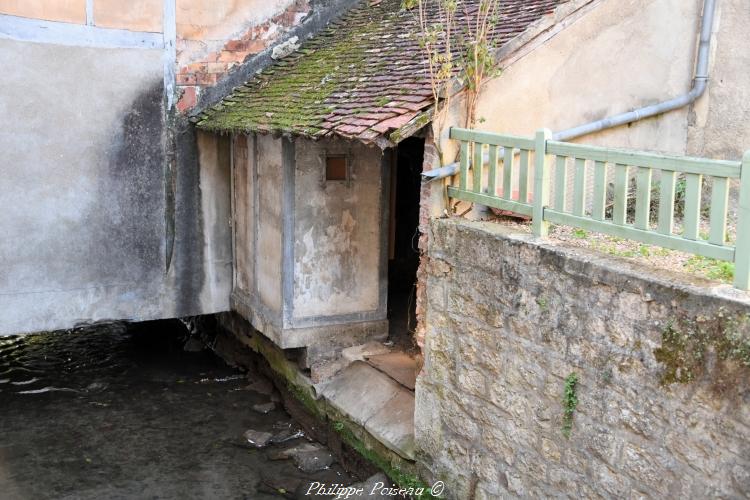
column 92, row 218
column 215, row 186
column 270, row 225
column 613, row 56
column 135, row 15
column 338, row 231
column 244, row 213
column 662, row 365
column 115, row 210
column 718, row 123
column 69, row 11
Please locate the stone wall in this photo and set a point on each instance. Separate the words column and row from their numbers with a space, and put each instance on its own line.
column 662, row 367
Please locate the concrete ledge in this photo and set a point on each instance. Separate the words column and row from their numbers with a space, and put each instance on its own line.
column 332, row 336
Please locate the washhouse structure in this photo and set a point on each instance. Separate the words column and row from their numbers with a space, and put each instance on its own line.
column 327, row 151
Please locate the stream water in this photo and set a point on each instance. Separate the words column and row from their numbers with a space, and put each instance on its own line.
column 112, row 412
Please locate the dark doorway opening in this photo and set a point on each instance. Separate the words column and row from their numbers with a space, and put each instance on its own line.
column 403, row 251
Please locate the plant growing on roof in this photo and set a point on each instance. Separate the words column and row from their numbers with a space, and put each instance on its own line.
column 475, row 63
column 478, row 60
column 436, row 22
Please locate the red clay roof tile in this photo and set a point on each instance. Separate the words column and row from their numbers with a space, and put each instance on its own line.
column 363, row 76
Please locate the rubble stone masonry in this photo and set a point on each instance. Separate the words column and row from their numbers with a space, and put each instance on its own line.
column 662, row 366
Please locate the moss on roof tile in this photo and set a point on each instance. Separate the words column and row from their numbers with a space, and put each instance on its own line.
column 362, row 64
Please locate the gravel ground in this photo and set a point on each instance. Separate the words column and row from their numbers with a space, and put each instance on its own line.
column 658, row 257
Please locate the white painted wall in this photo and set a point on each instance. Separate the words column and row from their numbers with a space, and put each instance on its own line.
column 617, row 55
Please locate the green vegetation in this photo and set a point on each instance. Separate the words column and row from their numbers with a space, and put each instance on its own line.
column 570, row 402
column 382, row 101
column 711, row 268
column 542, row 303
column 291, row 95
column 580, row 233
column 404, row 479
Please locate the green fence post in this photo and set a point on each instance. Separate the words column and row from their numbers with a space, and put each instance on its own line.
column 539, row 226
column 742, row 249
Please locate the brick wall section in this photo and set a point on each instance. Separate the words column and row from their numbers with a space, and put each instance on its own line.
column 210, row 68
column 509, row 318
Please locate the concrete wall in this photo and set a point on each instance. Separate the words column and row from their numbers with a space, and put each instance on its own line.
column 612, row 56
column 85, row 232
column 244, row 213
column 116, row 210
column 718, row 123
column 662, row 366
column 338, row 231
column 270, row 225
column 110, row 212
column 69, row 11
column 310, row 255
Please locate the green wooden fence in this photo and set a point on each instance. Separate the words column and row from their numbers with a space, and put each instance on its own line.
column 495, row 170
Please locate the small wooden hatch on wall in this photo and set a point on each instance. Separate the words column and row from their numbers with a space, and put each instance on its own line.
column 337, row 168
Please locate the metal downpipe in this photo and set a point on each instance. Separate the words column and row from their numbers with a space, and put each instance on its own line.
column 699, row 87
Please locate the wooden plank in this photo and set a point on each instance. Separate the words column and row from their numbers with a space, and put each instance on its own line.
column 507, row 141
column 619, row 212
column 490, row 201
column 719, row 205
column 666, row 202
column 579, row 187
column 477, row 167
column 508, row 174
column 742, row 255
column 542, row 164
column 692, row 216
column 561, row 183
column 721, row 168
column 523, row 177
column 492, row 177
column 464, row 165
column 600, row 190
column 642, row 197
column 648, row 237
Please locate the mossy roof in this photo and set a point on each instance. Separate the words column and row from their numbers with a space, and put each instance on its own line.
column 362, row 77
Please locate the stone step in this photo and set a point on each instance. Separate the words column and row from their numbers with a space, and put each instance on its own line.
column 372, row 399
column 398, row 365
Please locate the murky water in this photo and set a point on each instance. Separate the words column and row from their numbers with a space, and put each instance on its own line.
column 109, row 412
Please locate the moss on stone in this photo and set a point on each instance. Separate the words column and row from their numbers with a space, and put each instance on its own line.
column 293, row 94
column 401, row 471
column 690, row 343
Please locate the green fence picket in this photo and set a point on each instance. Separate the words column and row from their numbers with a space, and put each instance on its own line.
column 561, row 183
column 600, row 190
column 666, row 202
column 523, row 177
column 579, row 188
column 670, row 167
column 692, row 217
